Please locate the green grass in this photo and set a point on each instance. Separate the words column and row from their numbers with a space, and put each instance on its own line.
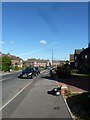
column 79, row 104
column 81, row 75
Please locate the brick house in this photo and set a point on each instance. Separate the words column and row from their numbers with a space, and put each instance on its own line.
column 84, row 60
column 37, row 62
column 76, row 55
column 58, row 62
column 17, row 61
column 72, row 62
column 14, row 59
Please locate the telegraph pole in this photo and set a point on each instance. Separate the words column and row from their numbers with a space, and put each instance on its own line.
column 52, row 57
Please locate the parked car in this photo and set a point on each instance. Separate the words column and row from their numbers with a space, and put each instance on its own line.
column 28, row 72
column 48, row 67
column 37, row 70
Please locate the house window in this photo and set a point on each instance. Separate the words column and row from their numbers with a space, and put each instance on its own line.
column 75, row 57
column 16, row 63
column 86, row 56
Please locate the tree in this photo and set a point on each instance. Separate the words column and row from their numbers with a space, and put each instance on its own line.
column 6, row 63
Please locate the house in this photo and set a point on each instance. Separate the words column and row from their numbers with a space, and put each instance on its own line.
column 84, row 60
column 37, row 62
column 58, row 62
column 76, row 55
column 72, row 62
column 16, row 61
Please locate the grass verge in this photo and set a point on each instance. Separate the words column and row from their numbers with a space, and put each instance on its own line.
column 79, row 104
column 80, row 75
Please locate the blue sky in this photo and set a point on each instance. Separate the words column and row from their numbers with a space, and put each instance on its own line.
column 32, row 30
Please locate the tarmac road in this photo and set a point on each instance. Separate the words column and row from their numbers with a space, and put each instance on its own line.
column 33, row 101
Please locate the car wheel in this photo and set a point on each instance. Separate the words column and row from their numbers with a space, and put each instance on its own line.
column 28, row 77
column 31, row 76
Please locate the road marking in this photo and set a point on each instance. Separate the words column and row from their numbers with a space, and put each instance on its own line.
column 15, row 96
column 5, row 79
column 71, row 114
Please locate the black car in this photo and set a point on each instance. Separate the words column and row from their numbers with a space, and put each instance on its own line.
column 37, row 70
column 28, row 72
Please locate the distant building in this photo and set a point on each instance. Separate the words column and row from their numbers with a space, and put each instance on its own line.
column 58, row 62
column 37, row 62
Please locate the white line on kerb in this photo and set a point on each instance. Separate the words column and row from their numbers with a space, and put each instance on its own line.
column 14, row 96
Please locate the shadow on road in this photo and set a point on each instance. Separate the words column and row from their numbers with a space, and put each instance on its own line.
column 49, row 77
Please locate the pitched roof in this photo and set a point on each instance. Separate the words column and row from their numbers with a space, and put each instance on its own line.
column 13, row 57
column 78, row 51
column 85, row 51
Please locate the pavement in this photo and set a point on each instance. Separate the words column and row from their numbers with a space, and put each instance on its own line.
column 75, row 85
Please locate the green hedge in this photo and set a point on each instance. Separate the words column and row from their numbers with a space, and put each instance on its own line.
column 63, row 71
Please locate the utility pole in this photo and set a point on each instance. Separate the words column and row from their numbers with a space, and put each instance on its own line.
column 52, row 57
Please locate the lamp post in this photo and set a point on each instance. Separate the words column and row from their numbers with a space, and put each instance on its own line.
column 52, row 57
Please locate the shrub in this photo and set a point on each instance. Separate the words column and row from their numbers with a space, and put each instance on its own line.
column 16, row 68
column 63, row 71
column 74, row 71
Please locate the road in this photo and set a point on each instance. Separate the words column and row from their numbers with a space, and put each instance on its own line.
column 11, row 84
column 28, row 98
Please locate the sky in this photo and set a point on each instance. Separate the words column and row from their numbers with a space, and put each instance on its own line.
column 34, row 29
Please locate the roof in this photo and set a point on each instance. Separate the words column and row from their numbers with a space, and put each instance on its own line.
column 78, row 51
column 13, row 57
column 85, row 51
column 37, row 60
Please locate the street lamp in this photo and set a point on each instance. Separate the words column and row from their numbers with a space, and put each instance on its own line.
column 52, row 57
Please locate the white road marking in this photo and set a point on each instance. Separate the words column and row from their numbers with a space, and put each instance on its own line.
column 5, row 79
column 15, row 96
column 73, row 117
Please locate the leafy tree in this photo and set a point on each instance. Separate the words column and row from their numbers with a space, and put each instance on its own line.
column 6, row 63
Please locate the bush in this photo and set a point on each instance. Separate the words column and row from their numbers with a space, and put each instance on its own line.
column 41, row 66
column 74, row 71
column 63, row 71
column 15, row 68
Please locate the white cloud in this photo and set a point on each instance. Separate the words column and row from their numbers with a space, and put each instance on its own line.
column 43, row 42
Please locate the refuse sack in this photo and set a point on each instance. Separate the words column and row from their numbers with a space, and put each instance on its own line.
column 55, row 91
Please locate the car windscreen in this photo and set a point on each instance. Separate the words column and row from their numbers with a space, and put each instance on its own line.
column 27, row 70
